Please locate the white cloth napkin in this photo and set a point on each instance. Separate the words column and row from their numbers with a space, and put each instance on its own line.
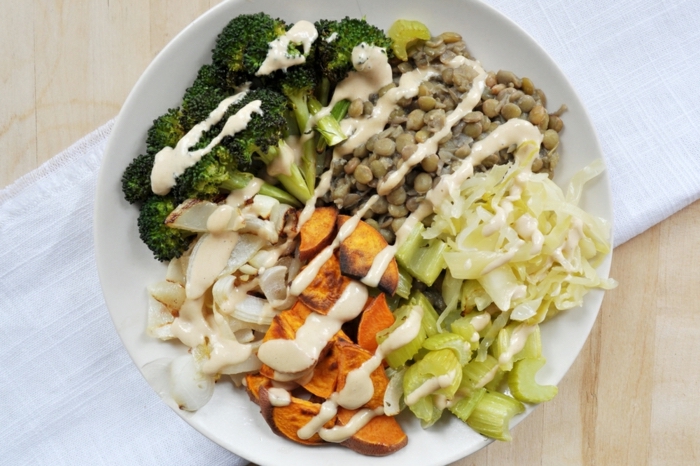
column 69, row 393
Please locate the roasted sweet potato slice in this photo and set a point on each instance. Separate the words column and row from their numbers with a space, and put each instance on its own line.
column 380, row 437
column 253, row 382
column 325, row 377
column 375, row 318
column 358, row 251
column 286, row 323
column 353, row 356
column 325, row 288
column 318, row 232
column 286, row 421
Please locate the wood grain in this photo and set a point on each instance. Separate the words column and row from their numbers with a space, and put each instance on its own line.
column 630, row 398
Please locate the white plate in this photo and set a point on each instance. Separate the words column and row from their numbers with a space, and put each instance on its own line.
column 126, row 266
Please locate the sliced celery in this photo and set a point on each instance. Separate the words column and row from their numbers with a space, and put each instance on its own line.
column 477, row 374
column 464, row 328
column 405, row 283
column 492, row 414
column 422, row 258
column 393, row 395
column 522, row 383
column 438, row 373
column 398, row 357
column 502, row 344
column 464, row 407
column 430, row 315
column 452, row 341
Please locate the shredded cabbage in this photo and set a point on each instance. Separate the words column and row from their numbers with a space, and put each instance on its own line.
column 516, row 237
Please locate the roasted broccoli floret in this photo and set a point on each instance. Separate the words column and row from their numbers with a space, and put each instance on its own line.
column 203, row 180
column 298, row 85
column 136, row 180
column 167, row 130
column 166, row 243
column 264, row 136
column 205, row 94
column 242, row 46
column 337, row 39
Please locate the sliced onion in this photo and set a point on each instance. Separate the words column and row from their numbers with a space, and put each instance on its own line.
column 255, row 310
column 159, row 320
column 263, row 228
column 175, row 273
column 245, row 249
column 252, row 364
column 170, row 294
column 278, row 215
column 189, row 388
column 273, row 283
column 191, row 215
column 245, row 335
column 263, row 205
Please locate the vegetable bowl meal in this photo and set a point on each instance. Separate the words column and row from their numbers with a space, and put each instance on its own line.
column 357, row 224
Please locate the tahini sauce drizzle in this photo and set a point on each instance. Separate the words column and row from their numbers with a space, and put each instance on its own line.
column 302, row 33
column 171, row 162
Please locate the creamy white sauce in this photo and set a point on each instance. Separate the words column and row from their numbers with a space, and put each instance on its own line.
column 306, row 276
column 193, row 329
column 278, row 58
column 282, row 164
column 568, row 247
column 219, row 220
column 372, row 73
column 240, row 197
column 301, row 353
column 488, row 377
column 279, row 396
column 527, row 228
column 208, row 259
column 430, row 386
column 517, row 342
column 360, row 419
column 472, row 98
column 171, row 162
column 332, row 37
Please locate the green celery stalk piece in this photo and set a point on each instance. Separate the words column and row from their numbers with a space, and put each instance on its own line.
column 399, row 356
column 465, row 406
column 492, row 414
column 422, row 258
column 405, row 283
column 522, row 383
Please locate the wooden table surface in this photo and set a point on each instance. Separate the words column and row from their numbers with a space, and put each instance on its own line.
column 632, row 396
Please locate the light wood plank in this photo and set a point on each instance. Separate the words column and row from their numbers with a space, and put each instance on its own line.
column 17, row 111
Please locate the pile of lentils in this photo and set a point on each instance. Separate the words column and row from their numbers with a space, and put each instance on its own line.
column 413, row 121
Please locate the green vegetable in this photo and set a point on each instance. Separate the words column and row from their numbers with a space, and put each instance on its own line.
column 421, row 257
column 166, row 243
column 492, row 414
column 334, row 56
column 442, row 371
column 166, row 131
column 136, row 180
column 241, row 47
column 200, row 99
column 522, row 383
column 465, row 406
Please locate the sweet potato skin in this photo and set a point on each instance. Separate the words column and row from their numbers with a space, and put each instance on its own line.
column 326, row 287
column 318, row 232
column 253, row 382
column 358, row 251
column 381, row 436
column 285, row 421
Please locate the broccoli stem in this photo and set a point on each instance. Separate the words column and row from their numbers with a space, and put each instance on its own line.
column 240, row 180
column 308, row 162
column 294, row 183
column 324, row 91
column 339, row 110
